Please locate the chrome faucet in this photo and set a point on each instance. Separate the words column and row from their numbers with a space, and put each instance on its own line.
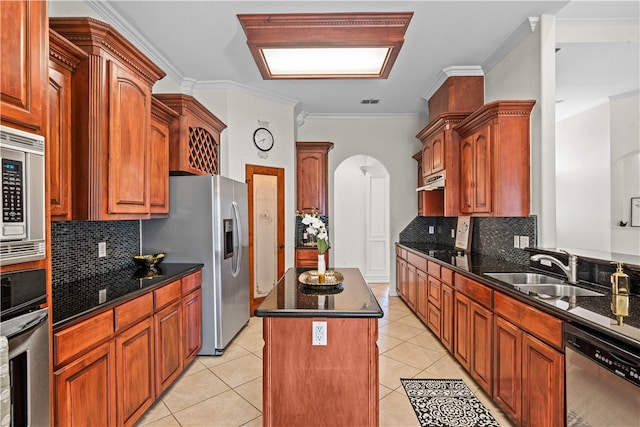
column 571, row 269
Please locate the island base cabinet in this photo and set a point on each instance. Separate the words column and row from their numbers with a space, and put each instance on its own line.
column 312, row 385
column 85, row 391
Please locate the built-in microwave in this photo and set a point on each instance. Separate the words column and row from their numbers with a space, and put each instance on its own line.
column 22, row 224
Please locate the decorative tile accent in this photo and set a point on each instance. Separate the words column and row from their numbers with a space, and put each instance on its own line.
column 74, row 248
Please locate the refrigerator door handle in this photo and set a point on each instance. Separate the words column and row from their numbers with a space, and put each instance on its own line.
column 237, row 241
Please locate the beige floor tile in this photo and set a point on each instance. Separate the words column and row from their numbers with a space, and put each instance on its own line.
column 157, row 411
column 413, row 321
column 226, row 409
column 383, row 391
column 396, row 411
column 233, row 351
column 448, row 368
column 391, row 371
column 383, row 321
column 250, row 340
column 190, row 390
column 252, row 392
column 239, row 371
column 414, row 355
column 397, row 311
column 256, row 422
column 400, row 331
column 428, row 340
column 168, row 421
column 385, row 342
column 193, row 368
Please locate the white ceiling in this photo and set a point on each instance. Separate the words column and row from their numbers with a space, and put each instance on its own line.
column 203, row 41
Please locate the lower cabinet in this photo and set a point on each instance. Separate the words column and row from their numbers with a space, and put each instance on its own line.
column 446, row 313
column 308, row 258
column 111, row 367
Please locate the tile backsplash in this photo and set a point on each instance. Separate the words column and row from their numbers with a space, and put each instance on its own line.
column 490, row 236
column 74, row 248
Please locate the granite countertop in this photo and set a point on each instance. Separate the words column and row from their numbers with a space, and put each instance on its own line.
column 78, row 300
column 594, row 312
column 292, row 298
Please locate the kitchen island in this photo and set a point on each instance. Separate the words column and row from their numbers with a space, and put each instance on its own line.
column 320, row 357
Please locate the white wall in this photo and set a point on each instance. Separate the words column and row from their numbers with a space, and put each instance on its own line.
column 392, row 141
column 583, row 186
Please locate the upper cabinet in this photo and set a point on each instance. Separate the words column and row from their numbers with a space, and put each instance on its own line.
column 494, row 160
column 23, row 64
column 111, row 110
column 312, row 181
column 195, row 136
column 64, row 58
column 162, row 118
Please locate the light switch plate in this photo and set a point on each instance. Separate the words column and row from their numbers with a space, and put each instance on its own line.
column 431, row 230
column 524, row 242
column 102, row 249
column 516, row 241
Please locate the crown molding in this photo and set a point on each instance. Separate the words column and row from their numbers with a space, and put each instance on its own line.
column 361, row 116
column 231, row 85
column 117, row 21
column 453, row 71
column 514, row 39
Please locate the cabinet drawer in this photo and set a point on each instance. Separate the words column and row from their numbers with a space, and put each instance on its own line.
column 417, row 261
column 402, row 253
column 167, row 294
column 476, row 291
column 537, row 323
column 446, row 276
column 130, row 312
column 433, row 269
column 81, row 336
column 433, row 319
column 191, row 282
column 434, row 291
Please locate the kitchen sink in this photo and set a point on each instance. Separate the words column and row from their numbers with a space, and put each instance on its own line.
column 558, row 290
column 525, row 278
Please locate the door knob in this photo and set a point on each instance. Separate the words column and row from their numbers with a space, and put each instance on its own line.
column 281, row 246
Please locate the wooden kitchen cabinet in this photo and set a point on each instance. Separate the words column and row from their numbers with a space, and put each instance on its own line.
column 111, row 107
column 168, row 340
column 401, row 273
column 85, row 391
column 446, row 314
column 494, row 160
column 192, row 325
column 194, row 147
column 312, row 180
column 473, row 320
column 64, row 58
column 529, row 372
column 159, row 137
column 308, row 258
column 422, row 297
column 23, row 64
column 433, row 154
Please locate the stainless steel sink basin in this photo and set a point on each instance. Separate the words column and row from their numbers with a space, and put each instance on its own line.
column 525, row 278
column 558, row 290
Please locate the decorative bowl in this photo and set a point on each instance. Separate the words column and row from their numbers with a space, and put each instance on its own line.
column 148, row 260
column 312, row 278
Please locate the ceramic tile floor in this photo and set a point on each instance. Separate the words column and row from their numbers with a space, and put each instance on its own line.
column 227, row 390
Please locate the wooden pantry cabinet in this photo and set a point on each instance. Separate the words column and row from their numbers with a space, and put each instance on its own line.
column 111, row 367
column 23, row 67
column 494, row 160
column 312, row 176
column 111, row 108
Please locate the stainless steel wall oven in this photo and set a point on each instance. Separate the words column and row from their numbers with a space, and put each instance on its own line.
column 24, row 323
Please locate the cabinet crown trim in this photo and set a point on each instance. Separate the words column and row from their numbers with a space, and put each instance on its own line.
column 510, row 108
column 65, row 52
column 184, row 104
column 440, row 122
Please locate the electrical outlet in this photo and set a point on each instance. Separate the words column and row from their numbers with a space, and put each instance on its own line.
column 102, row 249
column 431, row 229
column 319, row 333
column 524, row 242
column 516, row 241
column 453, row 233
column 102, row 296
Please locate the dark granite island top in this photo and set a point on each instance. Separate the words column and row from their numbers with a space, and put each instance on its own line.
column 292, row 298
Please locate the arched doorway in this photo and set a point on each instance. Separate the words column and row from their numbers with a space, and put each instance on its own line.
column 361, row 217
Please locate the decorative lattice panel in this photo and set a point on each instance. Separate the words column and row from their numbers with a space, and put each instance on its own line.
column 203, row 151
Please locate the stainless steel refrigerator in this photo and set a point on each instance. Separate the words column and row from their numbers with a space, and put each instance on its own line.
column 207, row 223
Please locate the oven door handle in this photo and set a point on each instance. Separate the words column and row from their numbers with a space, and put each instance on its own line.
column 23, row 329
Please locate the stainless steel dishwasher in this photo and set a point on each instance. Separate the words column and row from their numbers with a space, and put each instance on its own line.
column 602, row 381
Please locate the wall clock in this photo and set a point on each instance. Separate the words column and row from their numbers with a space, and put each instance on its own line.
column 263, row 139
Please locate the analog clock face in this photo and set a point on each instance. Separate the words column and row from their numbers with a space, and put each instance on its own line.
column 263, row 139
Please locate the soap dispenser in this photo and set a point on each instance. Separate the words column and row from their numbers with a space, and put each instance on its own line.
column 620, row 293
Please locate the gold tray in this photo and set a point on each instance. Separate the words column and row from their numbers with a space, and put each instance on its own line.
column 312, row 278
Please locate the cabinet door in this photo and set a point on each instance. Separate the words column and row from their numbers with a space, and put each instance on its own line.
column 169, row 360
column 426, row 158
column 446, row 328
column 59, row 142
column 311, row 180
column 542, row 384
column 437, row 152
column 192, row 324
column 481, row 339
column 466, row 175
column 462, row 314
column 85, row 390
column 482, row 170
column 507, row 365
column 23, row 67
column 412, row 289
column 135, row 363
column 159, row 167
column 422, row 294
column 128, row 169
column 401, row 266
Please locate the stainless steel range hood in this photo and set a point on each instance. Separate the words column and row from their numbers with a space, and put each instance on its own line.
column 433, row 182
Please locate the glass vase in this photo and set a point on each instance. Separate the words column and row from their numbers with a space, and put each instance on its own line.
column 321, row 267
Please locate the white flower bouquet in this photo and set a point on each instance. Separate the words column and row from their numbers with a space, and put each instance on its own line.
column 316, row 228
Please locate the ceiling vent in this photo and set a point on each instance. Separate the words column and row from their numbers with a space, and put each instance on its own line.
column 370, row 101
